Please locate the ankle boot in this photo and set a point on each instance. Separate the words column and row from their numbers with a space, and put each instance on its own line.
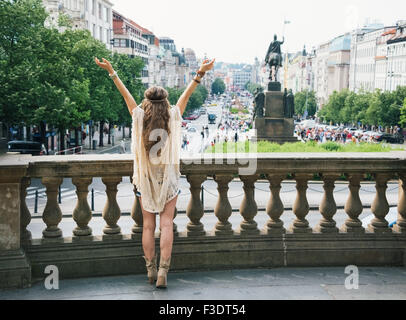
column 151, row 268
column 163, row 272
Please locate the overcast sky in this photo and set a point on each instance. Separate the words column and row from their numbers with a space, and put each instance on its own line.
column 240, row 30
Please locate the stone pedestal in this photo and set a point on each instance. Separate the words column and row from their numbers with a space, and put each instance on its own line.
column 274, row 127
column 15, row 270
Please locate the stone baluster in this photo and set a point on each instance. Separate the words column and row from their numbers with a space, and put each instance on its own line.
column 249, row 208
column 275, row 207
column 380, row 205
column 328, row 206
column 82, row 214
column 111, row 211
column 353, row 206
column 301, row 206
column 400, row 225
column 223, row 208
column 136, row 215
column 195, row 210
column 52, row 214
column 25, row 215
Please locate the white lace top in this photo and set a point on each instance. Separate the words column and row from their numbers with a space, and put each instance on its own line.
column 156, row 178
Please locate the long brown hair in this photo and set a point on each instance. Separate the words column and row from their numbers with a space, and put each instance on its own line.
column 156, row 114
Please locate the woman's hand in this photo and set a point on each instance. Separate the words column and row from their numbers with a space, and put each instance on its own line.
column 106, row 65
column 207, row 65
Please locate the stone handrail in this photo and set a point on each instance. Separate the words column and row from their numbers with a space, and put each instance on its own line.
column 16, row 172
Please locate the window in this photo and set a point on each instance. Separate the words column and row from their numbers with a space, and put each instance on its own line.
column 107, row 36
column 94, row 7
column 106, row 14
column 101, row 33
column 100, row 11
column 86, row 5
column 94, row 31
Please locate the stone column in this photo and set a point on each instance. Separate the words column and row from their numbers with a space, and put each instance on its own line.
column 400, row 225
column 52, row 214
column 380, row 206
column 82, row 214
column 301, row 206
column 248, row 208
column 136, row 215
column 111, row 211
column 25, row 217
column 195, row 210
column 353, row 206
column 15, row 268
column 275, row 207
column 223, row 208
column 328, row 207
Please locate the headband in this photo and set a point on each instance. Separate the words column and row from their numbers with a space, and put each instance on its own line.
column 156, row 101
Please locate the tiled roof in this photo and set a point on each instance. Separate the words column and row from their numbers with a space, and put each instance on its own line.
column 391, row 31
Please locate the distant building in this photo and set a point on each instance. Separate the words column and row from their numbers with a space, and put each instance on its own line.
column 378, row 58
column 129, row 40
column 363, row 54
column 338, row 64
column 396, row 58
column 241, row 77
column 321, row 73
column 92, row 15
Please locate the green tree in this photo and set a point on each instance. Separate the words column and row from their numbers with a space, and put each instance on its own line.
column 218, row 86
column 402, row 121
column 21, row 33
column 305, row 100
column 252, row 87
column 174, row 95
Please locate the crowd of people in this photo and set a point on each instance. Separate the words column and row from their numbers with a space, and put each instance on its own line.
column 324, row 134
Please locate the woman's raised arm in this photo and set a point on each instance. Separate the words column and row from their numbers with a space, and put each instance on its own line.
column 207, row 65
column 129, row 99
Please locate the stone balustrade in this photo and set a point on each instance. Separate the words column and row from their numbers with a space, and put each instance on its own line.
column 81, row 253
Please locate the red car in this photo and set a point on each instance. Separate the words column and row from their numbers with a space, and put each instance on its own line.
column 192, row 117
column 185, row 122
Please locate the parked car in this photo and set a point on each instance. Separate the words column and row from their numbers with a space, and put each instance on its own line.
column 391, row 138
column 26, row 147
column 192, row 116
column 185, row 123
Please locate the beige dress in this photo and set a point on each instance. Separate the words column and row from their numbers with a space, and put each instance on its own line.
column 156, row 178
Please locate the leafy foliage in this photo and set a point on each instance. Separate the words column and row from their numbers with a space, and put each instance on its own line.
column 305, row 100
column 47, row 76
column 218, row 86
column 368, row 108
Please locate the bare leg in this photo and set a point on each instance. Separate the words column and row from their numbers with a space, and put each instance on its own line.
column 148, row 233
column 166, row 225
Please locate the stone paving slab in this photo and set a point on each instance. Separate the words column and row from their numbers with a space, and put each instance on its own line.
column 256, row 284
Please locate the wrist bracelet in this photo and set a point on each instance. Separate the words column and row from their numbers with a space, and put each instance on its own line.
column 201, row 73
column 114, row 75
column 196, row 80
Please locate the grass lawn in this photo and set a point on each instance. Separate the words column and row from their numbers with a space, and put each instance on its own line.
column 265, row 146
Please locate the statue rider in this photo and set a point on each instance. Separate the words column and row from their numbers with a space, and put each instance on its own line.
column 274, row 57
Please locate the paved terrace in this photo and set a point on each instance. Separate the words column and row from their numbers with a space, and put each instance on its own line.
column 283, row 252
column 378, row 283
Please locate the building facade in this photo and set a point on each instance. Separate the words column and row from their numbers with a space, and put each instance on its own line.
column 93, row 15
column 396, row 58
column 338, row 64
column 128, row 39
column 321, row 73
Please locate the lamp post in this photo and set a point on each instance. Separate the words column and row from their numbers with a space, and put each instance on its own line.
column 285, row 76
